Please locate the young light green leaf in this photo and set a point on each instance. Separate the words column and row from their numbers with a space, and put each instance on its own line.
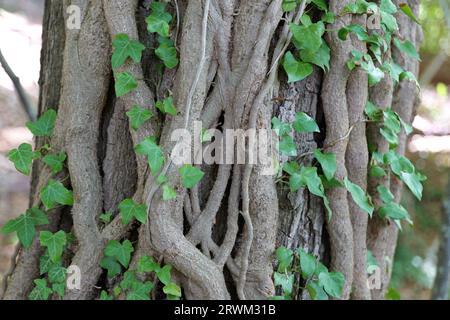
column 407, row 47
column 296, row 70
column 287, row 146
column 190, row 175
column 172, row 289
column 394, row 211
column 281, row 128
column 385, row 194
column 392, row 294
column 289, row 5
column 40, row 291
column 286, row 282
column 328, row 163
column 388, row 6
column 320, row 58
column 125, row 48
column 308, row 264
column 120, row 251
column 308, row 36
column 138, row 116
column 55, row 193
column 285, row 257
column 389, row 21
column 130, row 209
column 332, row 282
column 43, row 127
column 164, row 274
column 54, row 242
column 148, row 264
column 106, row 217
column 153, row 152
column 167, row 106
column 406, row 9
column 23, row 157
column 111, row 264
column 124, row 83
column 304, row 123
column 55, row 161
column 158, row 21
column 57, row 274
column 168, row 193
column 413, row 181
column 359, row 196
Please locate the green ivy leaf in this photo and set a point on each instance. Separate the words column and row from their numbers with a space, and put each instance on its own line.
column 125, row 48
column 407, row 47
column 316, row 291
column 328, row 163
column 308, row 36
column 285, row 257
column 57, row 274
column 287, row 146
column 394, row 211
column 45, row 263
column 392, row 294
column 140, row 291
column 153, row 152
column 289, row 5
column 40, row 291
column 59, row 289
column 43, row 127
column 23, row 157
column 55, row 161
column 55, row 193
column 360, row 7
column 413, row 181
column 281, row 128
column 54, row 242
column 374, row 73
column 321, row 4
column 308, row 264
column 124, row 83
column 385, row 194
column 172, row 289
column 163, row 274
column 388, row 7
column 359, row 196
column 320, row 58
column 377, row 172
column 304, row 123
column 106, row 217
column 190, row 175
column 296, row 70
column 332, row 282
column 111, row 265
column 105, row 296
column 158, row 21
column 120, row 251
column 130, row 209
column 138, row 116
column 167, row 53
column 406, row 9
column 286, row 282
column 147, row 264
column 129, row 278
column 167, row 106
column 168, row 193
column 389, row 21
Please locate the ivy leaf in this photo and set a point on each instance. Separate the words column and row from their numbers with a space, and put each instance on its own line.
column 57, row 274
column 304, row 123
column 308, row 36
column 392, row 294
column 125, row 48
column 55, row 161
column 359, row 196
column 158, row 21
column 389, row 21
column 59, row 289
column 138, row 116
column 55, row 193
column 377, row 172
column 168, row 193
column 43, row 127
column 320, row 58
column 153, row 152
column 130, row 209
column 385, row 194
column 45, row 263
column 360, row 7
column 167, row 106
column 40, row 291
column 124, row 83
column 356, row 29
column 316, row 291
column 312, row 180
column 388, row 6
column 394, row 211
column 289, row 5
column 287, row 146
column 105, row 296
column 190, row 175
column 281, row 128
column 172, row 289
column 332, row 282
column 111, row 265
column 147, row 264
column 129, row 278
column 308, row 264
column 23, row 157
column 413, row 181
column 285, row 257
column 120, row 251
column 140, row 291
column 375, row 74
column 296, row 70
column 106, row 217
column 321, row 4
column 54, row 242
column 285, row 281
column 407, row 47
column 167, row 53
column 328, row 163
column 406, row 9
column 163, row 274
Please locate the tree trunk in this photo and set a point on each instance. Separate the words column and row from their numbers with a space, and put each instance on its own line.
column 220, row 235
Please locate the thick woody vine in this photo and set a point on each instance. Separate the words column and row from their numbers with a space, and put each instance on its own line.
column 307, row 40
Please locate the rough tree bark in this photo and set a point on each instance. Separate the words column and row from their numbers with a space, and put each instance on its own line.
column 219, row 236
